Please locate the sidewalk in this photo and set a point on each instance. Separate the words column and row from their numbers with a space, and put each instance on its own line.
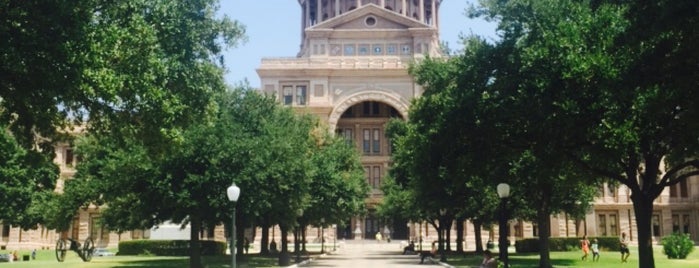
column 367, row 253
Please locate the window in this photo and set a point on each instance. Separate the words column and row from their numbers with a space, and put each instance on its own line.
column 5, row 231
column 607, row 224
column 367, row 174
column 69, row 157
column 535, row 230
column 97, row 230
column 366, row 142
column 301, row 95
column 656, row 224
column 376, row 182
column 349, row 49
column 288, row 95
column 371, row 141
column 137, row 234
column 613, row 225
column 371, row 108
column 679, row 190
column 75, row 231
column 680, row 223
column 347, row 134
column 602, row 225
column 294, row 94
column 376, row 143
column 372, row 175
column 611, row 190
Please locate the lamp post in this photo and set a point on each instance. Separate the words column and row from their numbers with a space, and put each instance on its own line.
column 322, row 236
column 297, row 247
column 504, row 194
column 233, row 193
column 420, row 238
column 334, row 237
column 442, row 234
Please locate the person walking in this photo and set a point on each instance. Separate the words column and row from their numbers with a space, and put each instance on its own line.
column 595, row 250
column 378, row 237
column 585, row 245
column 624, row 247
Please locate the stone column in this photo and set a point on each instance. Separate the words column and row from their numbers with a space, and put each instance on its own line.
column 319, row 11
column 422, row 11
column 337, row 8
column 403, row 9
column 307, row 14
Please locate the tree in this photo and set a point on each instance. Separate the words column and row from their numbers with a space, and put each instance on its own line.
column 138, row 69
column 146, row 64
column 339, row 188
column 623, row 74
column 188, row 185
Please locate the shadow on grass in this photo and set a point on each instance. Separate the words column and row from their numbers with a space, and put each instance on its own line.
column 252, row 260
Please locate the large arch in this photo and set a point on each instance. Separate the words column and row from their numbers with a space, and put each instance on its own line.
column 396, row 102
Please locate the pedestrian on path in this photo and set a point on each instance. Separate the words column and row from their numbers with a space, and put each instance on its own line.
column 595, row 250
column 378, row 237
column 624, row 247
column 585, row 245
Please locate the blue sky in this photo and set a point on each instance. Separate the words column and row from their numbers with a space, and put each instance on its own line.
column 274, row 30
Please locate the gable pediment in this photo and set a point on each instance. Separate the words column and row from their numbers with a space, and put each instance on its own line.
column 369, row 16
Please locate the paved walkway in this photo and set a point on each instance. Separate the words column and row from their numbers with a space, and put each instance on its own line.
column 367, row 253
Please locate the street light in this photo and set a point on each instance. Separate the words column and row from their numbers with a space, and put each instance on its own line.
column 442, row 212
column 504, row 194
column 334, row 237
column 233, row 193
column 297, row 247
column 322, row 236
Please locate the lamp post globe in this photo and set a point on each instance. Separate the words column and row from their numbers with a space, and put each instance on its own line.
column 503, row 190
column 233, row 192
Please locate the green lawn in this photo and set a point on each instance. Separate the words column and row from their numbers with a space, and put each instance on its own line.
column 47, row 259
column 607, row 259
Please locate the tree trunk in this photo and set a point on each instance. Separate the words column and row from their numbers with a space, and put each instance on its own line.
column 477, row 225
column 544, row 221
column 284, row 259
column 460, row 235
column 643, row 207
column 194, row 245
column 447, row 238
column 264, row 240
column 240, row 237
column 303, row 239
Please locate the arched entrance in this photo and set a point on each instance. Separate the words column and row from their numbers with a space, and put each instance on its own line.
column 362, row 123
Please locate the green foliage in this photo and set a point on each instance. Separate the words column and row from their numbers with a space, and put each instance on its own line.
column 530, row 245
column 169, row 247
column 27, row 180
column 147, row 66
column 677, row 246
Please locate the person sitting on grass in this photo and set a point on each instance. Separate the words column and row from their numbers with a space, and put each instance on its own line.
column 488, row 260
column 430, row 254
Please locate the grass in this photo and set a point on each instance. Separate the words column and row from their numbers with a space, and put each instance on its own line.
column 47, row 259
column 608, row 259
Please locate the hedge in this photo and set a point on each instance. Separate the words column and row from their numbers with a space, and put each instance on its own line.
column 565, row 244
column 169, row 247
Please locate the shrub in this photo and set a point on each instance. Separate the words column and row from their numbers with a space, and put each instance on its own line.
column 169, row 247
column 677, row 246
